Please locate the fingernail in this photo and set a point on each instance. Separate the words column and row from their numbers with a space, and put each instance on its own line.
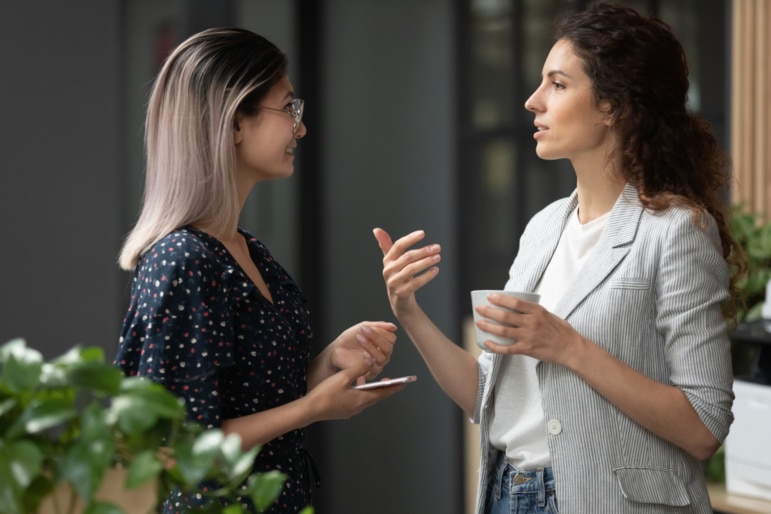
column 369, row 358
column 366, row 329
column 361, row 338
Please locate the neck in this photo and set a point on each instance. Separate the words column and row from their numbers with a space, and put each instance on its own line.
column 229, row 234
column 597, row 193
column 224, row 230
column 222, row 235
column 243, row 188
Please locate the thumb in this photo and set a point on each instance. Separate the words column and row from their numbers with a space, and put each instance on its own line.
column 383, row 325
column 383, row 240
column 351, row 373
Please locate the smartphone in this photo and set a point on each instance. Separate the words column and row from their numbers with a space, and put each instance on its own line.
column 386, row 383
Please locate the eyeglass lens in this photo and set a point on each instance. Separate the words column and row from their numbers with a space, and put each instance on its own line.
column 297, row 112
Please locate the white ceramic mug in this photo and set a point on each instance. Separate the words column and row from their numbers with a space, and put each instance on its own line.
column 479, row 297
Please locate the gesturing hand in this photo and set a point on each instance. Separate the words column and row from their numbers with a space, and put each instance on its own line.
column 404, row 270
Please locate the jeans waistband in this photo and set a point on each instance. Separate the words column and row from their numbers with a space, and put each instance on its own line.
column 538, row 481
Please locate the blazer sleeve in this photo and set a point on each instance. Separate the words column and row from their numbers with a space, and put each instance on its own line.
column 484, row 364
column 691, row 286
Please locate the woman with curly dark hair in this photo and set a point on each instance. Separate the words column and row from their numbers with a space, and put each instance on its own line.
column 618, row 382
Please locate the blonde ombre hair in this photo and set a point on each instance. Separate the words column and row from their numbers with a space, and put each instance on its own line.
column 191, row 162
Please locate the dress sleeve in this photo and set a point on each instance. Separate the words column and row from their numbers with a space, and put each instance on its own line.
column 177, row 331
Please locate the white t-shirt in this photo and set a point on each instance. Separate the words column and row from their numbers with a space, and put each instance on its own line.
column 517, row 424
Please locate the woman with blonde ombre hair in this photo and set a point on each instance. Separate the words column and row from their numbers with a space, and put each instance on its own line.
column 213, row 317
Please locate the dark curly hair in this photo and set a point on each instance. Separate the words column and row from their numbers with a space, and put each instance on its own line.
column 638, row 66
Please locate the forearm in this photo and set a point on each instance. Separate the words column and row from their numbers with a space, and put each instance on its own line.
column 660, row 408
column 261, row 427
column 454, row 369
column 320, row 368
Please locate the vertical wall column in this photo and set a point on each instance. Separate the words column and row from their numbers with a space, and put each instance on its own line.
column 750, row 104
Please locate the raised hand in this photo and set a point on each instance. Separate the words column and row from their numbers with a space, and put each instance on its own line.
column 406, row 270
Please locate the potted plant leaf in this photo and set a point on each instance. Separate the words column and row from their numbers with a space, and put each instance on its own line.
column 67, row 423
column 753, row 234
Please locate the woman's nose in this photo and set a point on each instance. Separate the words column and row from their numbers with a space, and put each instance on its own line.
column 530, row 103
column 301, row 131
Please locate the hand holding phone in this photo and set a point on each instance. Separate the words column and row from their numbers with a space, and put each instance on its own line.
column 386, row 383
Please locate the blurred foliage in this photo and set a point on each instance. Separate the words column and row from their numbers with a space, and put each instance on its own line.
column 73, row 418
column 753, row 233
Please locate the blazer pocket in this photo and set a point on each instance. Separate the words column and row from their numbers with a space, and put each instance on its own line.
column 629, row 283
column 652, row 485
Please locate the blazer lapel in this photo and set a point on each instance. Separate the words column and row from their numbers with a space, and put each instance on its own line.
column 530, row 264
column 613, row 246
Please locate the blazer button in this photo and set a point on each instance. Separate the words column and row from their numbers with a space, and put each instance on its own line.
column 554, row 427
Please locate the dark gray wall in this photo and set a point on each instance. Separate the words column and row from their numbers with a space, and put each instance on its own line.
column 389, row 161
column 60, row 136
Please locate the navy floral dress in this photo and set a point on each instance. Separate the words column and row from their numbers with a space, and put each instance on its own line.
column 198, row 325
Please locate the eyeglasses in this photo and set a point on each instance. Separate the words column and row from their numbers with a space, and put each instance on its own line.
column 295, row 110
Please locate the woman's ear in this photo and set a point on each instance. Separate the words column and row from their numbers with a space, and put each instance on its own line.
column 607, row 110
column 238, row 134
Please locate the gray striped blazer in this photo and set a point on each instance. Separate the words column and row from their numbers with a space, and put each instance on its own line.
column 650, row 295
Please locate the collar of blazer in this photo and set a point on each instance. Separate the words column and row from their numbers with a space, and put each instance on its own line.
column 613, row 246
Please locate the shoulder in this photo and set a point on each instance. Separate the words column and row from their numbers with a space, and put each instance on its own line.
column 182, row 243
column 183, row 251
column 680, row 224
column 683, row 244
column 631, row 220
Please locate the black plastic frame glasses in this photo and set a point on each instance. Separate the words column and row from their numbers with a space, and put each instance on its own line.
column 295, row 110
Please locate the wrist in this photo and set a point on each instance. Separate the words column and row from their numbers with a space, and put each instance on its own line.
column 310, row 407
column 407, row 311
column 320, row 368
column 580, row 355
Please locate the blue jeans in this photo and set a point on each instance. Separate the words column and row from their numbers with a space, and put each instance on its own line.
column 515, row 491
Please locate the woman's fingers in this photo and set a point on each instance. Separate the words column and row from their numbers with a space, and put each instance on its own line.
column 411, row 270
column 383, row 240
column 398, row 256
column 406, row 270
column 415, row 262
column 401, row 245
column 378, row 341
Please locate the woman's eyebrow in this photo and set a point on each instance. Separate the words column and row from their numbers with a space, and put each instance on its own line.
column 552, row 73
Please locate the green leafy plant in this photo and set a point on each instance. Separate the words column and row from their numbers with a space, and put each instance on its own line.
column 69, row 420
column 753, row 234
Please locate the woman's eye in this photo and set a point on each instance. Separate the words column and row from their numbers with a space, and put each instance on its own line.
column 558, row 85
